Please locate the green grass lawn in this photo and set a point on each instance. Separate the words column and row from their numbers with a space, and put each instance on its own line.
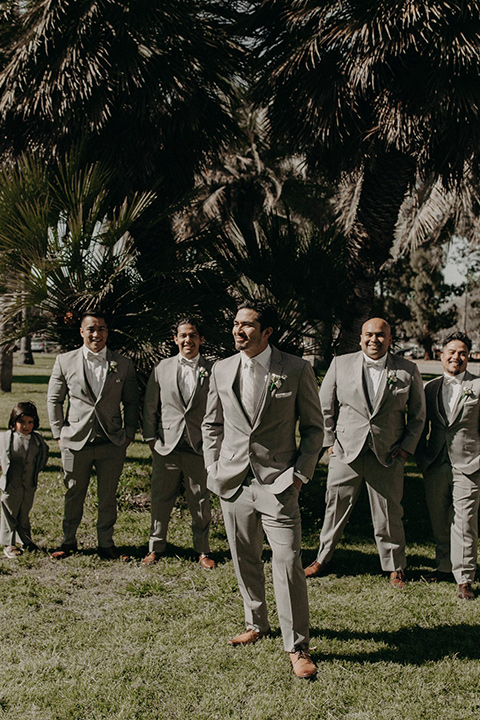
column 85, row 639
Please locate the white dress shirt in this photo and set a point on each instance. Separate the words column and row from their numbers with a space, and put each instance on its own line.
column 95, row 368
column 188, row 376
column 452, row 387
column 373, row 370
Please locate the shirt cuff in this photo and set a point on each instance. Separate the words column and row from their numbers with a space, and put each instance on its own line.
column 303, row 478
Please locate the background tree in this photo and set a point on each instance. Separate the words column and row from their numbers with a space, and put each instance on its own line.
column 377, row 94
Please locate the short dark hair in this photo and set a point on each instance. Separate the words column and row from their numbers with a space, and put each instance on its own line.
column 24, row 408
column 188, row 320
column 462, row 337
column 94, row 312
column 267, row 314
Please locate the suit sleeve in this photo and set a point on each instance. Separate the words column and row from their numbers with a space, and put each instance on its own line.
column 416, row 414
column 152, row 407
column 131, row 402
column 329, row 404
column 310, row 424
column 212, row 426
column 57, row 392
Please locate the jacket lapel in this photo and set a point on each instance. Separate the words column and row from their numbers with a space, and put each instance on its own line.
column 359, row 384
column 382, row 391
column 234, row 386
column 467, row 386
column 276, row 368
column 81, row 373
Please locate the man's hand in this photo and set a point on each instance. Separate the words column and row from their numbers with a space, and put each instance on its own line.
column 330, row 450
column 128, row 441
column 151, row 444
column 59, row 443
column 403, row 454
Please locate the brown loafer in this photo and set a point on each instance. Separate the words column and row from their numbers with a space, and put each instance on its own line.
column 397, row 579
column 247, row 638
column 206, row 561
column 303, row 665
column 316, row 569
column 465, row 591
column 63, row 551
column 110, row 553
column 151, row 558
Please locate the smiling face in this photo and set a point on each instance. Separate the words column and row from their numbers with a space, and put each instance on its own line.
column 25, row 424
column 188, row 341
column 247, row 333
column 454, row 357
column 376, row 338
column 94, row 332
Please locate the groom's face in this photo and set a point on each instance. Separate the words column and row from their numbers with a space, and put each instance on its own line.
column 247, row 333
column 376, row 338
column 94, row 332
column 454, row 357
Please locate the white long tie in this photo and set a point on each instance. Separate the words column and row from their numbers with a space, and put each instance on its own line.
column 249, row 394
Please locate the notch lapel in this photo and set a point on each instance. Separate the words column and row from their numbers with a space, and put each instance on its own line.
column 359, row 384
column 276, row 368
column 81, row 373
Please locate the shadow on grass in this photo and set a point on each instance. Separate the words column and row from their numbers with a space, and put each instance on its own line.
column 31, row 379
column 412, row 646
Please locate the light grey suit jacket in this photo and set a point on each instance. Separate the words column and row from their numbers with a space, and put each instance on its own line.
column 165, row 415
column 349, row 420
column 5, row 453
column 231, row 444
column 461, row 435
column 84, row 409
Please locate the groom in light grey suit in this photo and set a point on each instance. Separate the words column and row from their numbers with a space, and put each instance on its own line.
column 175, row 402
column 449, row 457
column 97, row 383
column 364, row 398
column 256, row 398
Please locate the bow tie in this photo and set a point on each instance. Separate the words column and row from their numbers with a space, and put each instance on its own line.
column 451, row 380
column 188, row 363
column 94, row 356
column 374, row 364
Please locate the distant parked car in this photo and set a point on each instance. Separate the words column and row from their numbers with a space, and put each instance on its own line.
column 38, row 344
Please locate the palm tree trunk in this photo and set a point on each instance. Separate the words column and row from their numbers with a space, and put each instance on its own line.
column 386, row 181
column 6, row 369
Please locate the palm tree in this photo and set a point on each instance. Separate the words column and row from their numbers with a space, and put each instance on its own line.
column 378, row 94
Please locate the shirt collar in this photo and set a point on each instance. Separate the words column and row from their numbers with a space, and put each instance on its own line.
column 262, row 358
column 24, row 438
column 101, row 355
column 380, row 363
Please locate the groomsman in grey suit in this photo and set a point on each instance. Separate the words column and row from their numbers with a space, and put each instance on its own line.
column 364, row 398
column 449, row 457
column 97, row 383
column 256, row 398
column 175, row 402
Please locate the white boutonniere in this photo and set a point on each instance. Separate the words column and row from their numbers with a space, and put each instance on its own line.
column 467, row 393
column 112, row 368
column 391, row 377
column 276, row 381
column 203, row 374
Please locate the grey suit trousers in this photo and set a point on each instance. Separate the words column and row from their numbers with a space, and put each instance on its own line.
column 385, row 492
column 108, row 460
column 247, row 515
column 453, row 501
column 168, row 471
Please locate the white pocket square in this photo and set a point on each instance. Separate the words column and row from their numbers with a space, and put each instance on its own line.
column 283, row 395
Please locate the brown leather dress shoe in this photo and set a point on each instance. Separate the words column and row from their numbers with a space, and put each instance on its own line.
column 151, row 558
column 109, row 553
column 63, row 551
column 206, row 561
column 397, row 579
column 465, row 591
column 247, row 638
column 316, row 569
column 303, row 665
